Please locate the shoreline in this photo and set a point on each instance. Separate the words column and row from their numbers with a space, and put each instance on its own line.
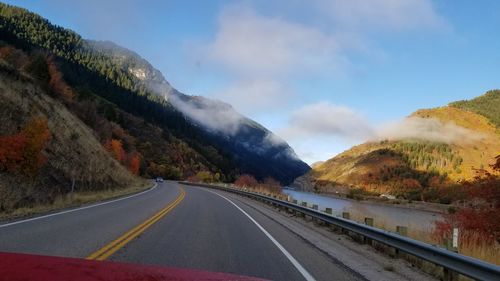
column 415, row 205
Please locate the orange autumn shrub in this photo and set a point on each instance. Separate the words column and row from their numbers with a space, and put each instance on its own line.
column 12, row 152
column 116, row 149
column 246, row 181
column 131, row 161
column 134, row 163
column 57, row 83
column 482, row 213
column 23, row 152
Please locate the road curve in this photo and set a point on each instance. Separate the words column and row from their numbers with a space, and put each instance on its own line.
column 208, row 230
column 82, row 232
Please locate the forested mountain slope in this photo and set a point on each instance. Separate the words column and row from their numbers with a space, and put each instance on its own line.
column 121, row 86
column 44, row 148
column 417, row 169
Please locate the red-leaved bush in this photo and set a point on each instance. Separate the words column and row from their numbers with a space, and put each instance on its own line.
column 22, row 152
column 246, row 181
column 482, row 213
column 130, row 160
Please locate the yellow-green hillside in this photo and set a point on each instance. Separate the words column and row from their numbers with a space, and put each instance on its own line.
column 409, row 166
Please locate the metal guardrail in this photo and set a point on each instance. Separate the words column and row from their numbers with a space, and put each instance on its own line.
column 465, row 265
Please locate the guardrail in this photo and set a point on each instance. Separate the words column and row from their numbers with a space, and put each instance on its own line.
column 455, row 262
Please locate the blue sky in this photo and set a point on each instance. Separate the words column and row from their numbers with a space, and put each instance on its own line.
column 322, row 74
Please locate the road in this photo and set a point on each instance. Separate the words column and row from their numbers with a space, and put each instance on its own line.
column 178, row 226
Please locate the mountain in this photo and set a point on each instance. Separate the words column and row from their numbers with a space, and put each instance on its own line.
column 466, row 139
column 246, row 140
column 43, row 146
column 123, row 86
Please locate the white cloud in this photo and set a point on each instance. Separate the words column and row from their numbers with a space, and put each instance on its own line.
column 390, row 15
column 254, row 95
column 325, row 120
column 429, row 129
column 317, row 129
column 212, row 114
column 251, row 44
column 262, row 54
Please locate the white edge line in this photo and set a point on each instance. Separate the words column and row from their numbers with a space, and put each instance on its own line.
column 295, row 263
column 78, row 209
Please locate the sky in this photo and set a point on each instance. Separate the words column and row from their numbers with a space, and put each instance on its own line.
column 323, row 75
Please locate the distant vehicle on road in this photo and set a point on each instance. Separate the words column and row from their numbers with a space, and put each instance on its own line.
column 159, row 179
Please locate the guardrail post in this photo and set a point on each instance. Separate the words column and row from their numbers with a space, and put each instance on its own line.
column 304, row 204
column 315, row 207
column 293, row 211
column 449, row 275
column 403, row 231
column 346, row 216
column 328, row 211
column 369, row 222
column 448, row 244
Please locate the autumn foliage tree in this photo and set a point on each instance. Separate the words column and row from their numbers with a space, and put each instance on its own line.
column 13, row 56
column 12, row 152
column 23, row 152
column 57, row 83
column 134, row 163
column 116, row 148
column 193, row 178
column 246, row 180
column 130, row 160
column 482, row 215
column 272, row 185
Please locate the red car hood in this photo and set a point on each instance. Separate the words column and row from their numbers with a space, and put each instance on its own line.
column 17, row 267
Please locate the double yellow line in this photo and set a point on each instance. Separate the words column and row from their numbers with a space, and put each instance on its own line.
column 121, row 241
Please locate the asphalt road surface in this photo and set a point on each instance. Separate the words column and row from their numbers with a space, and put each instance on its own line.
column 179, row 226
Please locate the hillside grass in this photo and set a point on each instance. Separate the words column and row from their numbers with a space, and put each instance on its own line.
column 414, row 169
column 73, row 153
column 477, row 154
column 76, row 199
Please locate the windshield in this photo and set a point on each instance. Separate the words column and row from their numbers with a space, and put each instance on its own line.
column 249, row 140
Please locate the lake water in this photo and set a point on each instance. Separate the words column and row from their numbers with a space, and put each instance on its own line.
column 385, row 216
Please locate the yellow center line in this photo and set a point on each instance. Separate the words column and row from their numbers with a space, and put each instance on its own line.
column 121, row 241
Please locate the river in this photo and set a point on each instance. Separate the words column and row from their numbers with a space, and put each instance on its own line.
column 385, row 216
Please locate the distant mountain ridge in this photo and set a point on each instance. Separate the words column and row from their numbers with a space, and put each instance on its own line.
column 246, row 139
column 414, row 168
column 129, row 82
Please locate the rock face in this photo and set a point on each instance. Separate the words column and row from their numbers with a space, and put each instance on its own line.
column 130, row 62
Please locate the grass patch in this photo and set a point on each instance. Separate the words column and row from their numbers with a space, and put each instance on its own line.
column 75, row 200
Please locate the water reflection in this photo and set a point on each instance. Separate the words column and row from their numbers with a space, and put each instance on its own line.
column 385, row 216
